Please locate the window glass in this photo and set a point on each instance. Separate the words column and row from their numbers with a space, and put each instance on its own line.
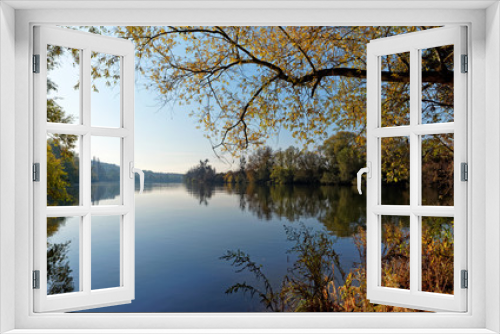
column 395, row 168
column 437, row 85
column 395, row 93
column 437, row 254
column 63, row 85
column 105, row 248
column 63, row 170
column 63, row 255
column 105, row 97
column 395, row 252
column 438, row 169
column 106, row 170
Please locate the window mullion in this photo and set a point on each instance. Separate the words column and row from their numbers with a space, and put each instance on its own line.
column 85, row 273
column 85, row 166
column 415, row 166
column 406, row 210
column 80, row 130
column 86, row 150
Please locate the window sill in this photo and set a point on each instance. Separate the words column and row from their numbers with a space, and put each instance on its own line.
column 251, row 331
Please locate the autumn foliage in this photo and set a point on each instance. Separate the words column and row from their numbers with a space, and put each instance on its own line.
column 311, row 285
column 245, row 84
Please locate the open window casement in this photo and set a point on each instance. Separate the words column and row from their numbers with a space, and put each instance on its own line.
column 402, row 132
column 56, row 202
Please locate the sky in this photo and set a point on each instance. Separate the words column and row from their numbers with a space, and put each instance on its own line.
column 166, row 138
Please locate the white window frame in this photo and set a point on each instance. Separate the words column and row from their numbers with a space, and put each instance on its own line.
column 413, row 43
column 85, row 297
column 483, row 20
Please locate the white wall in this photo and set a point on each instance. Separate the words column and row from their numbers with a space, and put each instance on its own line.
column 492, row 166
column 480, row 164
column 7, row 159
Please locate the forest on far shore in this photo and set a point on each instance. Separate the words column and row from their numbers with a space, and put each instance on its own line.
column 336, row 162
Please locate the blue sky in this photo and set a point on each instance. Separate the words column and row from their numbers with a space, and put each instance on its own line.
column 166, row 138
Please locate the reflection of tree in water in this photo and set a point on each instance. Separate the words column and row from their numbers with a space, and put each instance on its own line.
column 346, row 211
column 288, row 201
column 340, row 209
column 203, row 192
column 102, row 191
column 59, row 273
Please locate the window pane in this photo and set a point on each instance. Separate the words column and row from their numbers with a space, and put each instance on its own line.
column 63, row 255
column 395, row 89
column 63, row 80
column 63, row 178
column 437, row 254
column 105, row 248
column 105, row 170
column 105, row 97
column 437, row 169
column 395, row 252
column 437, row 85
column 395, row 168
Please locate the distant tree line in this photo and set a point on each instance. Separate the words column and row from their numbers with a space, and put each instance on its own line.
column 106, row 172
column 156, row 177
column 335, row 162
column 103, row 171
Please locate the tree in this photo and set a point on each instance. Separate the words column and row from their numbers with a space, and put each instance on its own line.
column 344, row 157
column 310, row 167
column 250, row 82
column 59, row 273
column 241, row 175
column 437, row 169
column 260, row 164
column 57, row 193
column 305, row 288
column 311, row 285
column 96, row 170
column 202, row 174
column 285, row 164
column 62, row 161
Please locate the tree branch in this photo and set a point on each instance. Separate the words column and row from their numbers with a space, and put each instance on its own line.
column 300, row 49
column 241, row 119
column 442, row 77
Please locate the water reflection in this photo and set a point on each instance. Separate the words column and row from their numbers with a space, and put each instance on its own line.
column 101, row 191
column 183, row 230
column 59, row 272
column 203, row 192
column 62, row 254
column 340, row 209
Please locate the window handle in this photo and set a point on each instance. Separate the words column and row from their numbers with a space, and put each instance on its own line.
column 368, row 171
column 141, row 176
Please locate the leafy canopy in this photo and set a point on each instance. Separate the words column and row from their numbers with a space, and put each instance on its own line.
column 246, row 84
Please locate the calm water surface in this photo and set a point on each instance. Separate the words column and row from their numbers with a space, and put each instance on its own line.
column 182, row 231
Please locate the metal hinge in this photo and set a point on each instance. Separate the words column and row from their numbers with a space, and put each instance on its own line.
column 36, row 279
column 465, row 279
column 36, row 172
column 464, row 171
column 465, row 64
column 36, row 63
